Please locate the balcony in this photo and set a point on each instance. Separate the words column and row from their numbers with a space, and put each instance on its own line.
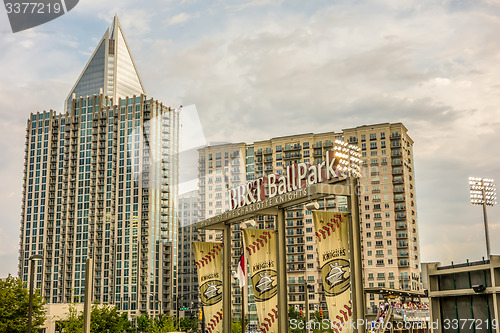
column 401, row 226
column 398, row 189
column 290, row 156
column 293, row 147
column 403, row 254
column 399, row 198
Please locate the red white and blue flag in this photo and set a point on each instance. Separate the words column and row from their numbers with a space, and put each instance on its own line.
column 241, row 272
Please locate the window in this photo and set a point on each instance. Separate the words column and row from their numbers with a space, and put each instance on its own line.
column 373, row 136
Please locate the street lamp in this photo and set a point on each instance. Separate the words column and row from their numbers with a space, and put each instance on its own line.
column 32, row 277
column 178, row 310
column 483, row 192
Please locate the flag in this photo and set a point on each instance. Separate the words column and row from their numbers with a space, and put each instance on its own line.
column 242, row 277
column 261, row 250
column 332, row 236
column 208, row 259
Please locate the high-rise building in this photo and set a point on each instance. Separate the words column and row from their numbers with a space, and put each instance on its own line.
column 100, row 181
column 188, row 278
column 222, row 167
column 110, row 70
column 387, row 203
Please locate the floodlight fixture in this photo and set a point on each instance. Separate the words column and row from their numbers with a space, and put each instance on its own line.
column 483, row 192
column 250, row 223
column 312, row 206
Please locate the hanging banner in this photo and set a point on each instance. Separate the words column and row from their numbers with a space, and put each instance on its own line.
column 208, row 259
column 261, row 250
column 332, row 235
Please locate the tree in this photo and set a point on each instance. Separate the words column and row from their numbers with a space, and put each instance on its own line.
column 73, row 323
column 103, row 318
column 188, row 323
column 163, row 323
column 236, row 327
column 294, row 314
column 107, row 319
column 143, row 322
column 14, row 305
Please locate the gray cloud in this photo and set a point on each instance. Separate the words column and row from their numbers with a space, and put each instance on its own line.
column 256, row 70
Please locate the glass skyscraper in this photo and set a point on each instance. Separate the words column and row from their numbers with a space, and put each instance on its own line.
column 100, row 181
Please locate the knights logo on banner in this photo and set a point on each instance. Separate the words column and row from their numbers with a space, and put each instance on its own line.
column 332, row 235
column 208, row 259
column 261, row 250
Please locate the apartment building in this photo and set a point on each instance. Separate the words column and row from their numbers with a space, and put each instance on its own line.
column 387, row 203
column 188, row 209
column 222, row 167
column 100, row 181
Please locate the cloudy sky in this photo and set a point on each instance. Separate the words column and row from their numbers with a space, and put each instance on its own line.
column 256, row 69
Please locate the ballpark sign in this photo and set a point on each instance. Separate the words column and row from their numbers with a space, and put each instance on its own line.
column 345, row 158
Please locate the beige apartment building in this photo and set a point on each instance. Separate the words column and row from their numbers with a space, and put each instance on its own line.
column 387, row 206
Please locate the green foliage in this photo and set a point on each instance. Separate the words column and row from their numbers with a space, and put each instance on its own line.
column 102, row 319
column 14, row 305
column 143, row 322
column 107, row 319
column 236, row 327
column 73, row 323
column 189, row 323
column 294, row 314
column 163, row 323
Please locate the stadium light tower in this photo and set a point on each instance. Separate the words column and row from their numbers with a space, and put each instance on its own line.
column 483, row 192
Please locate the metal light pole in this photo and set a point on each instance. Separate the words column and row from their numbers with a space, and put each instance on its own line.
column 87, row 310
column 32, row 277
column 178, row 311
column 483, row 192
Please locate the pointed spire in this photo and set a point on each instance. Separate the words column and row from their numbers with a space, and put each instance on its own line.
column 113, row 27
column 110, row 69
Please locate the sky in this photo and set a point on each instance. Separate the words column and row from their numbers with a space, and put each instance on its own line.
column 257, row 69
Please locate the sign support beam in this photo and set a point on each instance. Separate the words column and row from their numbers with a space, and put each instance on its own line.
column 358, row 296
column 282, row 282
column 226, row 280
